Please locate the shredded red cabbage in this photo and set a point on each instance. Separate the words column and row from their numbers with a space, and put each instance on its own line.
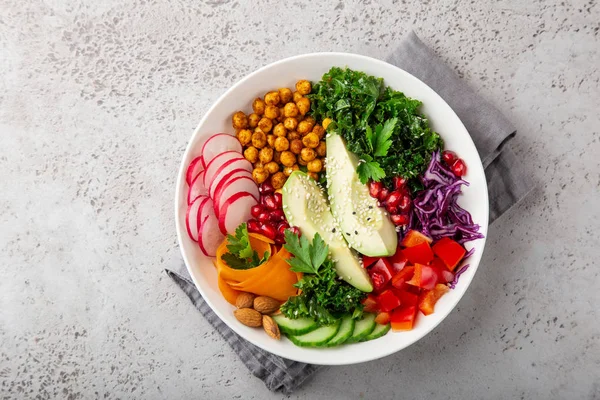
column 436, row 212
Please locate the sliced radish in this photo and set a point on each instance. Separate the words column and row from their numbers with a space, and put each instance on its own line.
column 192, row 217
column 235, row 210
column 209, row 237
column 197, row 188
column 219, row 162
column 239, row 167
column 233, row 186
column 194, row 169
column 218, row 144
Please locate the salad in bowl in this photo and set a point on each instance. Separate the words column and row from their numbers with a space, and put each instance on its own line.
column 328, row 215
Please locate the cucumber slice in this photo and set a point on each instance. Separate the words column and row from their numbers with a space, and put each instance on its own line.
column 346, row 330
column 362, row 328
column 298, row 326
column 318, row 337
column 378, row 332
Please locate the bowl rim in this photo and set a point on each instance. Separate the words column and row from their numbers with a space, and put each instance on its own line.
column 364, row 357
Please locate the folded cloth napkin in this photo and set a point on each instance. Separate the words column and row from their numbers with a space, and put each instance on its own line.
column 507, row 184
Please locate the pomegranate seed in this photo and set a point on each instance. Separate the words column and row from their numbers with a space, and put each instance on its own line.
column 392, row 210
column 399, row 182
column 277, row 215
column 394, row 198
column 281, row 228
column 383, row 194
column 256, row 210
column 404, row 204
column 253, row 226
column 279, row 240
column 264, row 216
column 399, row 219
column 375, row 189
column 278, row 200
column 269, row 201
column 266, row 188
column 449, row 157
column 268, row 230
column 459, row 167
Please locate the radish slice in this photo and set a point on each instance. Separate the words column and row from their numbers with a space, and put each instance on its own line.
column 218, row 144
column 209, row 237
column 197, row 188
column 233, row 186
column 220, row 161
column 191, row 217
column 235, row 210
column 193, row 170
column 227, row 172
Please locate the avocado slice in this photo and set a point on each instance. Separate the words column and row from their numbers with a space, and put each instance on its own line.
column 365, row 226
column 305, row 206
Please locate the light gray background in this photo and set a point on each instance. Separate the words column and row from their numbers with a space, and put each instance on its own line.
column 97, row 102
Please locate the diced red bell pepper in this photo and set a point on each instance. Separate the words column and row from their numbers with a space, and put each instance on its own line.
column 382, row 318
column 413, row 238
column 428, row 298
column 403, row 318
column 444, row 274
column 408, row 299
column 387, row 301
column 398, row 260
column 399, row 280
column 368, row 261
column 425, row 277
column 380, row 274
column 420, row 253
column 370, row 304
column 449, row 251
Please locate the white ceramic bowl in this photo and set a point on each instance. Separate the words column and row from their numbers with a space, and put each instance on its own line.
column 285, row 73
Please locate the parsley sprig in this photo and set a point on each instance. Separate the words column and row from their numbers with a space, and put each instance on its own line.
column 308, row 258
column 241, row 255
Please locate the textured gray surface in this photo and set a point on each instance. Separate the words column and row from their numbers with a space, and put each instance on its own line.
column 97, row 101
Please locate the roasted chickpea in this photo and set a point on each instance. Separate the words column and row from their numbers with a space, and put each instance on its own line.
column 315, row 165
column 290, row 110
column 303, row 127
column 313, row 175
column 290, row 123
column 302, row 162
column 280, row 130
column 258, row 106
column 265, row 154
column 296, row 96
column 259, row 139
column 311, row 121
column 303, row 87
column 293, row 135
column 281, row 116
column 326, row 122
column 285, row 95
column 272, row 112
column 259, row 164
column 272, row 98
column 271, row 140
column 278, row 180
column 308, row 154
column 251, row 154
column 287, row 158
column 253, row 120
column 287, row 171
column 239, row 120
column 272, row 167
column 303, row 105
column 311, row 140
column 244, row 136
column 321, row 149
column 319, row 131
column 260, row 175
column 265, row 124
column 281, row 144
column 296, row 146
column 277, row 156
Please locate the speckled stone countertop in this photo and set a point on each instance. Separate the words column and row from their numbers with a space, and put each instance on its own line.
column 97, row 102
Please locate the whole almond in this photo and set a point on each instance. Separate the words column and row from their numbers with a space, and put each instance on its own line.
column 248, row 317
column 244, row 300
column 266, row 305
column 271, row 327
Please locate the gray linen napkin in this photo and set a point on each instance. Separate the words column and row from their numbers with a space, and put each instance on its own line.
column 507, row 184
